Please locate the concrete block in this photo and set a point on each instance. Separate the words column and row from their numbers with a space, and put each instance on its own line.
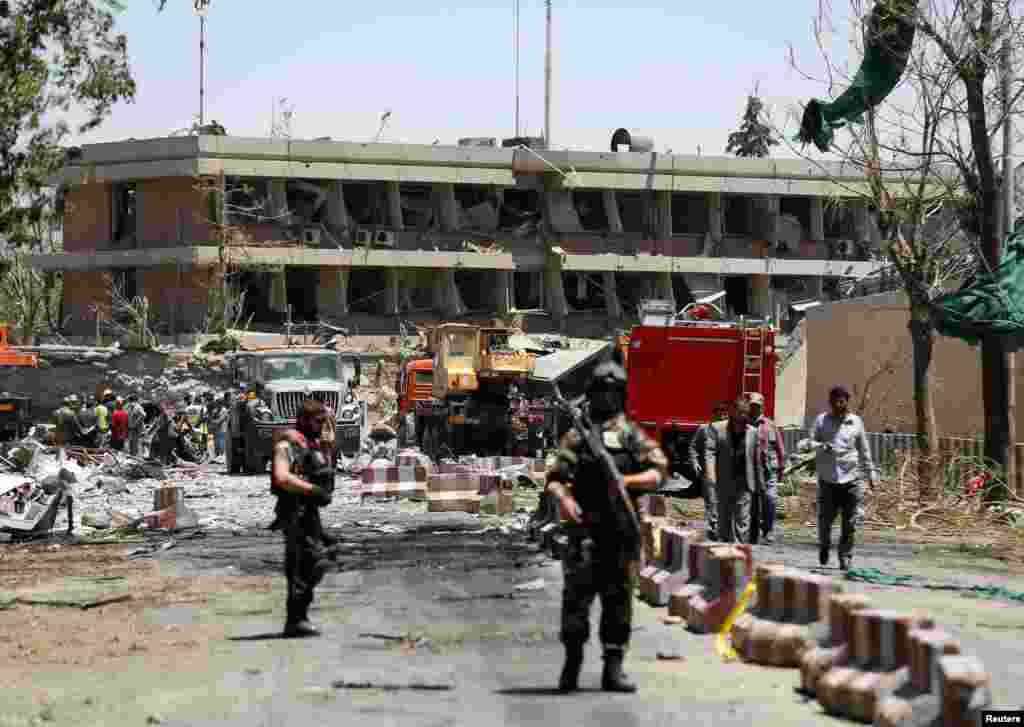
column 727, row 572
column 927, row 647
column 453, row 493
column 963, row 690
column 881, row 639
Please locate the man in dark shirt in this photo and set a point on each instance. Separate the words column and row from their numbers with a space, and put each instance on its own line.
column 696, row 450
column 729, row 468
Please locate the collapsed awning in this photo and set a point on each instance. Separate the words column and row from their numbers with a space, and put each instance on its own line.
column 554, row 367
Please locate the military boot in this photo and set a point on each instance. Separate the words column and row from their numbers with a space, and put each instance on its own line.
column 613, row 679
column 298, row 625
column 570, row 679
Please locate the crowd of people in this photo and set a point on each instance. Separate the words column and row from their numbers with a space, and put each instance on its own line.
column 124, row 423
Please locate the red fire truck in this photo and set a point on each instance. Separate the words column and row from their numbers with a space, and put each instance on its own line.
column 680, row 366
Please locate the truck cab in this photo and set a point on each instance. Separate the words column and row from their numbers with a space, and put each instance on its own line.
column 279, row 380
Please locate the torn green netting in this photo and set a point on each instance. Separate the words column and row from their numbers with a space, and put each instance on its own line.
column 990, row 303
column 889, row 39
column 873, row 575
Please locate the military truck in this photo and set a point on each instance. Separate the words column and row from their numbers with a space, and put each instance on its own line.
column 276, row 382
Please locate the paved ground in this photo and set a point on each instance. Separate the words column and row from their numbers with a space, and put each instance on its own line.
column 442, row 584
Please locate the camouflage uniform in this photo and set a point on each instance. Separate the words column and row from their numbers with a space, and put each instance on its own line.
column 596, row 563
column 305, row 558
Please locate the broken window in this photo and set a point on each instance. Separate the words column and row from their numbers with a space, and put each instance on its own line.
column 839, row 221
column 476, row 289
column 478, row 206
column 737, row 295
column 527, row 291
column 367, row 203
column 583, row 291
column 520, row 209
column 126, row 283
column 307, row 201
column 798, row 207
column 124, row 217
column 689, row 214
column 635, row 211
column 681, row 291
column 589, row 205
column 633, row 288
column 738, row 215
column 417, row 205
column 245, row 199
column 302, row 284
column 368, row 289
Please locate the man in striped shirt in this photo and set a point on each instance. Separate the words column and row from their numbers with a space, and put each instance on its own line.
column 843, row 459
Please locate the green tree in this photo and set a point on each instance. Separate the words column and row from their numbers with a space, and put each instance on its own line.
column 754, row 138
column 55, row 55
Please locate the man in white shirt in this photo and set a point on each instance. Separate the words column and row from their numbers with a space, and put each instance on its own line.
column 843, row 459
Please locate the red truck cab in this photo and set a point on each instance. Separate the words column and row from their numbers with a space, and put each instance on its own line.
column 680, row 368
column 415, row 384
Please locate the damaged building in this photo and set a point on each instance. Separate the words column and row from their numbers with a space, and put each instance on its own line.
column 366, row 232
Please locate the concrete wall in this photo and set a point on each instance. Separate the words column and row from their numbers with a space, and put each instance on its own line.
column 847, row 342
column 170, row 210
column 87, row 217
column 82, row 290
column 183, row 303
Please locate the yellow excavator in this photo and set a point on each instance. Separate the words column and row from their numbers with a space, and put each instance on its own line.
column 478, row 379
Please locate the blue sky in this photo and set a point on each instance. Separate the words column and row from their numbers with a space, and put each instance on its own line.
column 678, row 72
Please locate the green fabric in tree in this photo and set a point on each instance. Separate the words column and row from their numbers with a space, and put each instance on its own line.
column 991, row 302
column 889, row 40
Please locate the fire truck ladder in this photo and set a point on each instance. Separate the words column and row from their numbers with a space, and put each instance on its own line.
column 753, row 358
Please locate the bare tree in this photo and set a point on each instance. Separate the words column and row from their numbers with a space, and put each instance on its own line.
column 927, row 153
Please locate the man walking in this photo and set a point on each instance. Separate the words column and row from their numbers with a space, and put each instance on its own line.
column 729, row 468
column 842, row 459
column 769, row 458
column 302, row 479
column 598, row 561
column 696, row 452
column 136, row 420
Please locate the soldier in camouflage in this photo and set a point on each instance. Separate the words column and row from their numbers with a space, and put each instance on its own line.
column 597, row 561
column 302, row 478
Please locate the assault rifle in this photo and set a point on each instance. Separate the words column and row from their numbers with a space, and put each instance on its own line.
column 627, row 524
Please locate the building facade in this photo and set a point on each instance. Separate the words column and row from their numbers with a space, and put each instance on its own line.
column 368, row 232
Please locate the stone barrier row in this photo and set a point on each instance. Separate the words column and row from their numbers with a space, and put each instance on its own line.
column 889, row 668
column 466, row 486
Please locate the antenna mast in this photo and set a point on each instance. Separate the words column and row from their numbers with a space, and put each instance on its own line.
column 547, row 80
column 200, row 8
column 515, row 25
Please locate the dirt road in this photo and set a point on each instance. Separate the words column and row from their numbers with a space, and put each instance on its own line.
column 418, row 598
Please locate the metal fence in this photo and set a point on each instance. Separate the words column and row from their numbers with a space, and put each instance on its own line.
column 960, row 455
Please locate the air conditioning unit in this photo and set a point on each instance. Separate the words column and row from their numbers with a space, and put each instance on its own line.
column 364, row 237
column 384, row 238
column 311, row 236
